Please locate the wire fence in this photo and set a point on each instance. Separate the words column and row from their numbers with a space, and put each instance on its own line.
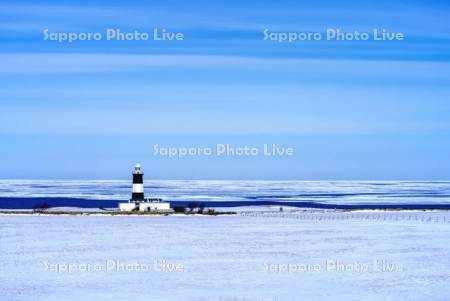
column 422, row 217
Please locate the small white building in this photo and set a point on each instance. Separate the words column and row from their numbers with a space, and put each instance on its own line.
column 138, row 202
column 127, row 206
column 154, row 206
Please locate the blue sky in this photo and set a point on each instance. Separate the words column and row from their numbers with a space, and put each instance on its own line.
column 351, row 110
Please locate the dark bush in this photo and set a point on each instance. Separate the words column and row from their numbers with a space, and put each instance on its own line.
column 40, row 207
column 211, row 212
column 201, row 208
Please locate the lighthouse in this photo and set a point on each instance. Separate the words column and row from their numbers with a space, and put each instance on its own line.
column 138, row 202
column 138, row 184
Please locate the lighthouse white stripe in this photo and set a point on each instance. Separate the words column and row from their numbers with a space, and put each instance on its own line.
column 138, row 188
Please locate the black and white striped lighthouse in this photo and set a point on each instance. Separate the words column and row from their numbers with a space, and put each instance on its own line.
column 137, row 202
column 138, row 184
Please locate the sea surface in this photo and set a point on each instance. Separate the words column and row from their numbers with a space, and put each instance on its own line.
column 22, row 194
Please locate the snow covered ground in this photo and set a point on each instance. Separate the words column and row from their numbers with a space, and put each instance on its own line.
column 254, row 255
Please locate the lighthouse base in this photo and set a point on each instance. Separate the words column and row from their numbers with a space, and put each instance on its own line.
column 145, row 205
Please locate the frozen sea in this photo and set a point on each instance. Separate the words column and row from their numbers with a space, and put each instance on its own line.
column 108, row 193
column 252, row 256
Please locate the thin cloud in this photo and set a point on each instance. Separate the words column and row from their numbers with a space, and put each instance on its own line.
column 69, row 63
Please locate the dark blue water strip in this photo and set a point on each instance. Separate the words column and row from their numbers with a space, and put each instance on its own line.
column 30, row 202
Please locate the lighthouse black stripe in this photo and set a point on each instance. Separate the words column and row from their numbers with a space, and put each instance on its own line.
column 138, row 179
column 137, row 196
